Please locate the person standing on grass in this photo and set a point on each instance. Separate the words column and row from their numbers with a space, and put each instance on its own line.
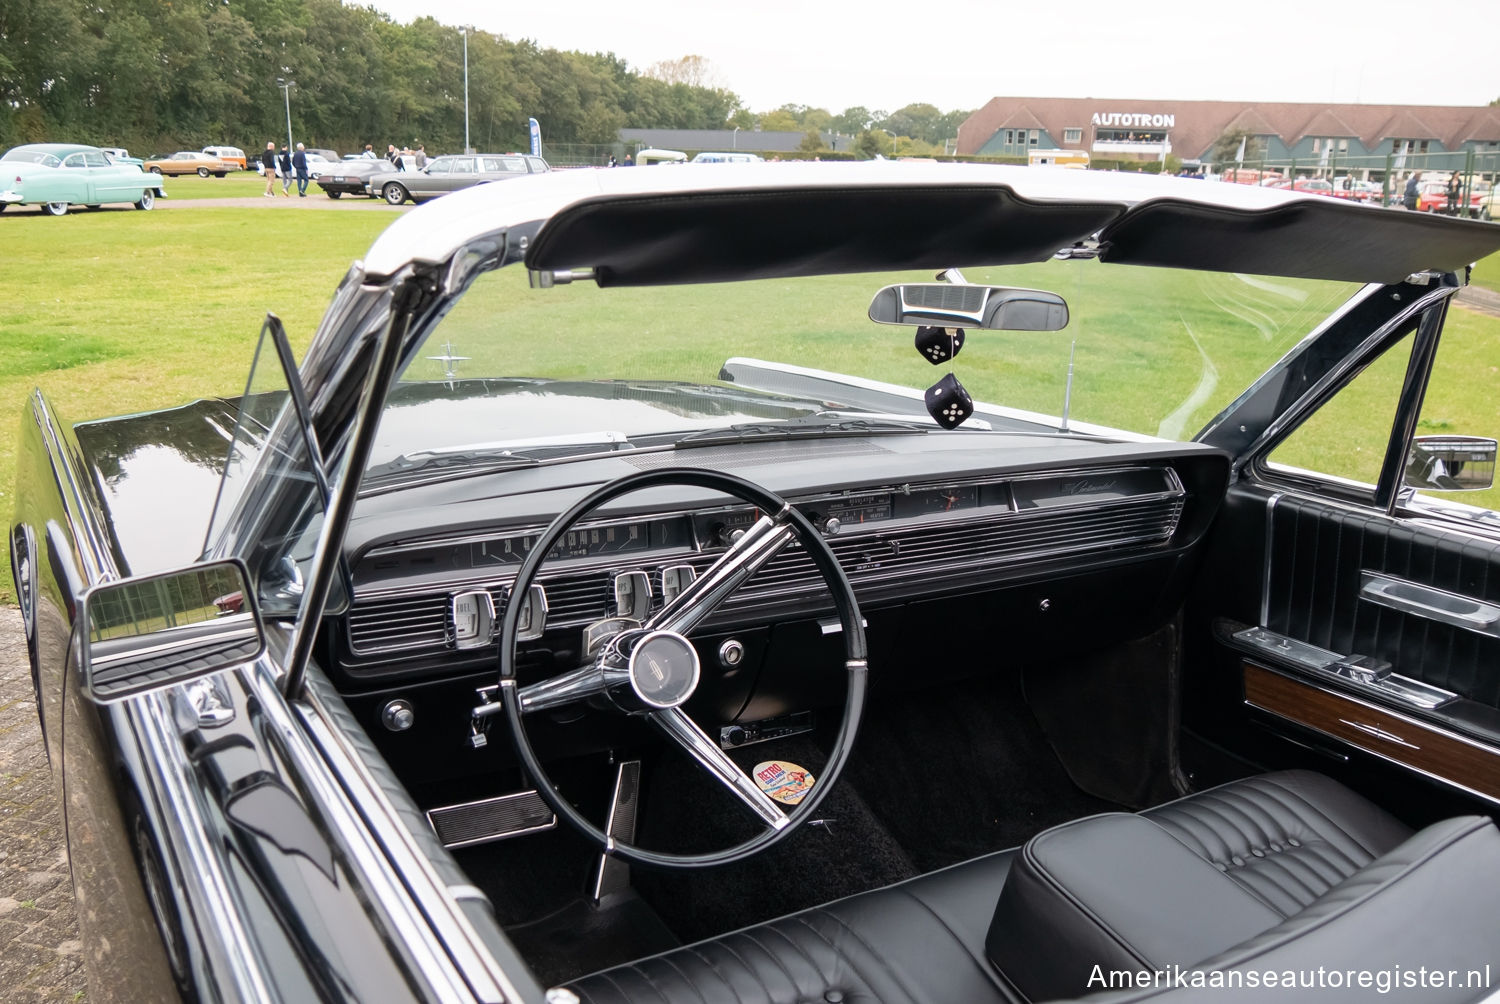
column 268, row 168
column 299, row 164
column 285, row 163
column 421, row 157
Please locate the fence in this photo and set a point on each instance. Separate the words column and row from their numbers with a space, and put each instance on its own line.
column 1478, row 169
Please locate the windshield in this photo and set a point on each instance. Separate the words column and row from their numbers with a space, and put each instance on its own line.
column 1153, row 351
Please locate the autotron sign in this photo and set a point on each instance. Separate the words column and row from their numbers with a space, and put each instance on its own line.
column 1138, row 120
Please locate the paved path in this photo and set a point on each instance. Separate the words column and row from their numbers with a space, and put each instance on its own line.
column 319, row 201
column 41, row 958
column 1485, row 301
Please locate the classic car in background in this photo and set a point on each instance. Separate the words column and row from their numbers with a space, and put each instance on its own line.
column 188, row 162
column 443, row 175
column 1432, row 197
column 232, row 156
column 637, row 557
column 58, row 175
column 120, row 155
column 351, row 177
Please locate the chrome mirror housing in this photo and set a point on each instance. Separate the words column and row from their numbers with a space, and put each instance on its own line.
column 1451, row 463
column 996, row 308
column 152, row 632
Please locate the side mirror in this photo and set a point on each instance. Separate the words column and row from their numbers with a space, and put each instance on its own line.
column 995, row 308
column 151, row 632
column 1451, row 463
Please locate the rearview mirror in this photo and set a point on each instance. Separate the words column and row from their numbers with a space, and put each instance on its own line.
column 1451, row 463
column 154, row 631
column 995, row 308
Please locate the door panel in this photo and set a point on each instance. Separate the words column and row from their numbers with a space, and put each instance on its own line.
column 1318, row 552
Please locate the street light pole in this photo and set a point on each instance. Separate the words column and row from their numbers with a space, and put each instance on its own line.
column 465, row 32
column 286, row 90
column 735, row 139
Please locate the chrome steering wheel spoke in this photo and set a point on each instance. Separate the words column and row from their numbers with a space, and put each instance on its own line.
column 565, row 688
column 695, row 604
column 676, row 724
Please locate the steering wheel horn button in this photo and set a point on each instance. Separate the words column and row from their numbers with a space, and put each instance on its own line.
column 664, row 669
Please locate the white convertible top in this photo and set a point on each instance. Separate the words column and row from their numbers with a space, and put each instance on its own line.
column 646, row 226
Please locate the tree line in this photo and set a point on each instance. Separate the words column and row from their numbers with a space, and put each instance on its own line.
column 158, row 76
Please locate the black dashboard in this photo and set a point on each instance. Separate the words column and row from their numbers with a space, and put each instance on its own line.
column 983, row 522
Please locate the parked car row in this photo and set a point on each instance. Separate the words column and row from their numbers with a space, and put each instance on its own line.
column 378, row 179
column 56, row 176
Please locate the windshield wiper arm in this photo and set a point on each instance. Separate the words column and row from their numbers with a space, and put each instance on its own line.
column 497, row 456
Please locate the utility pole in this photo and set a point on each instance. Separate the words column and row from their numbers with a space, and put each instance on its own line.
column 286, row 90
column 465, row 32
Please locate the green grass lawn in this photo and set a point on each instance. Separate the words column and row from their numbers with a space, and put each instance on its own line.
column 1487, row 272
column 120, row 311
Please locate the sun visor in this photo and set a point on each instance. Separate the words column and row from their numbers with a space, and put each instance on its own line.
column 1318, row 238
column 690, row 237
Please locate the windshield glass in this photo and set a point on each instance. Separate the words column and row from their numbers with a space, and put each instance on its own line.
column 1154, row 351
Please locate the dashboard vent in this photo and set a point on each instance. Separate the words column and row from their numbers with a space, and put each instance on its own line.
column 386, row 627
column 419, row 622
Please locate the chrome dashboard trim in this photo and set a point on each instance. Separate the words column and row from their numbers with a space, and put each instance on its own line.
column 580, row 565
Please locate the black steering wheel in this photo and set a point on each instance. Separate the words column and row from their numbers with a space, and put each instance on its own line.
column 651, row 670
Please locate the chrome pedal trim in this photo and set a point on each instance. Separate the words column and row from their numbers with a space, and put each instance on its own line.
column 613, row 875
column 489, row 819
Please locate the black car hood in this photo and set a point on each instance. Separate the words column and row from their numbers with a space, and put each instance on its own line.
column 156, row 476
column 129, row 459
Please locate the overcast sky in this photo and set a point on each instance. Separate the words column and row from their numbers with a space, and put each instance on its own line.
column 960, row 53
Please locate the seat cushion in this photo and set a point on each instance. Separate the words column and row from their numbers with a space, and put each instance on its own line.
column 917, row 941
column 1287, row 837
column 1181, row 882
column 1421, row 924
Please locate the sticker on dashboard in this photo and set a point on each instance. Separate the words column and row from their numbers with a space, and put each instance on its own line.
column 783, row 780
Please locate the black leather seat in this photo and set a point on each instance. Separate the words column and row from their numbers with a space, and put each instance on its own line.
column 1180, row 882
column 1261, row 868
column 919, row 940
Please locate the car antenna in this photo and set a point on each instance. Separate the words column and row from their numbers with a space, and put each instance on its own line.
column 1068, row 388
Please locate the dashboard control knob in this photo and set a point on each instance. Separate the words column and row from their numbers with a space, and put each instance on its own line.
column 735, row 535
column 731, row 653
column 833, row 526
column 735, row 736
column 398, row 716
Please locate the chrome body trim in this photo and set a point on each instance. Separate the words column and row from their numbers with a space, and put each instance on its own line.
column 169, row 796
column 1371, row 676
column 1265, row 584
column 179, row 803
column 451, row 952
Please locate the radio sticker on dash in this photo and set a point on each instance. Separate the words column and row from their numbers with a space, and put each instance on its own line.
column 783, row 780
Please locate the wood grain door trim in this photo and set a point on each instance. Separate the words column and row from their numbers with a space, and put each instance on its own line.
column 1403, row 740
